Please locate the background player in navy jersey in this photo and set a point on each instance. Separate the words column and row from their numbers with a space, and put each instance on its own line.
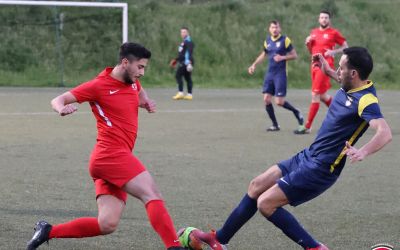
column 185, row 63
column 279, row 49
column 313, row 170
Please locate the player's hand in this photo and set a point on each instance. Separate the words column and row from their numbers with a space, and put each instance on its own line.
column 320, row 61
column 317, row 59
column 251, row 69
column 68, row 109
column 278, row 58
column 329, row 52
column 149, row 105
column 172, row 63
column 308, row 40
column 353, row 153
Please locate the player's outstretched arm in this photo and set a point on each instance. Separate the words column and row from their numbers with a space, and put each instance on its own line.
column 258, row 60
column 145, row 102
column 62, row 104
column 324, row 65
column 383, row 136
column 333, row 52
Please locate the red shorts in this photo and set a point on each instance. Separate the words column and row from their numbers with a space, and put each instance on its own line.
column 112, row 169
column 320, row 82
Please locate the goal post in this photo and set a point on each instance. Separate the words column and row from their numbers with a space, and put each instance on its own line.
column 123, row 6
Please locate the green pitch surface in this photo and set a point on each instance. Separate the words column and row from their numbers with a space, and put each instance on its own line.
column 202, row 154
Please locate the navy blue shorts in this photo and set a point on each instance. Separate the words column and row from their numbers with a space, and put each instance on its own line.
column 275, row 83
column 304, row 179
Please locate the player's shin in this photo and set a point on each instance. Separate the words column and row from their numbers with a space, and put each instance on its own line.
column 239, row 216
column 286, row 222
column 314, row 106
column 162, row 223
column 78, row 228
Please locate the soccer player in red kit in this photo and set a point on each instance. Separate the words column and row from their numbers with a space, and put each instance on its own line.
column 115, row 96
column 322, row 40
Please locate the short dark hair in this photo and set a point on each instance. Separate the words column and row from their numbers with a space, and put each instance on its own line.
column 359, row 59
column 185, row 28
column 133, row 51
column 276, row 22
column 325, row 12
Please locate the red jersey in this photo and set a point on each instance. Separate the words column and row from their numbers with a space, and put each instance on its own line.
column 322, row 40
column 115, row 106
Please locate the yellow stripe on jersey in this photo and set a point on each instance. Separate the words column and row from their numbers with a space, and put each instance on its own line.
column 369, row 84
column 366, row 100
column 265, row 44
column 287, row 42
column 352, row 138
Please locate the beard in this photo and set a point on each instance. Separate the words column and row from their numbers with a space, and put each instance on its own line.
column 346, row 83
column 127, row 79
column 324, row 26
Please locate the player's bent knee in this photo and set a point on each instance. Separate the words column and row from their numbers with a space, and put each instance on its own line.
column 108, row 225
column 255, row 188
column 265, row 206
column 315, row 97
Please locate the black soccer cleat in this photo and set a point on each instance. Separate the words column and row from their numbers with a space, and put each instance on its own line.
column 41, row 235
column 176, row 248
column 299, row 117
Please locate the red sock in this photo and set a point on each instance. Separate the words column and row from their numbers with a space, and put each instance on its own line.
column 78, row 228
column 328, row 102
column 314, row 106
column 162, row 223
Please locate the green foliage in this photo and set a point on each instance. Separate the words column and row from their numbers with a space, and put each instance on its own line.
column 228, row 36
column 330, row 6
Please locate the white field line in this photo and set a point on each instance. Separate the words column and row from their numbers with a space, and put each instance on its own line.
column 240, row 110
column 158, row 111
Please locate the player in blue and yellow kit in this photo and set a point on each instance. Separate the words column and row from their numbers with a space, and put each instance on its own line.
column 313, row 170
column 279, row 50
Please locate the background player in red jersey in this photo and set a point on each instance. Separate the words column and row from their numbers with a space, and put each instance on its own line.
column 115, row 96
column 321, row 40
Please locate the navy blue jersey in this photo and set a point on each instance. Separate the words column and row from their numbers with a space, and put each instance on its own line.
column 347, row 119
column 273, row 46
column 185, row 51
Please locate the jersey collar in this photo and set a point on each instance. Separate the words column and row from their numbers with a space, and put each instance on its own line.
column 275, row 39
column 369, row 84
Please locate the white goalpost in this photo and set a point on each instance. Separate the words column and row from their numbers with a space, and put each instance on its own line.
column 123, row 6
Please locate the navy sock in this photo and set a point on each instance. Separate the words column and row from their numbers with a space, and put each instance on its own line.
column 286, row 222
column 295, row 111
column 270, row 110
column 239, row 216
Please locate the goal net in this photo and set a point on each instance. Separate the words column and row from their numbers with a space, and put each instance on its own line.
column 58, row 45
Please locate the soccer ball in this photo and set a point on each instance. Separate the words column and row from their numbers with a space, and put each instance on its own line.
column 188, row 240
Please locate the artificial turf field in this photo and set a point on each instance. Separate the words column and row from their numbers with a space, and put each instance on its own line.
column 202, row 154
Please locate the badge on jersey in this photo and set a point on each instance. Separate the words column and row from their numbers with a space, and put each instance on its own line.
column 349, row 101
column 326, row 36
column 134, row 86
column 278, row 44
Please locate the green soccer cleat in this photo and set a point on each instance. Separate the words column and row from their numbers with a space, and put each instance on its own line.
column 302, row 130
